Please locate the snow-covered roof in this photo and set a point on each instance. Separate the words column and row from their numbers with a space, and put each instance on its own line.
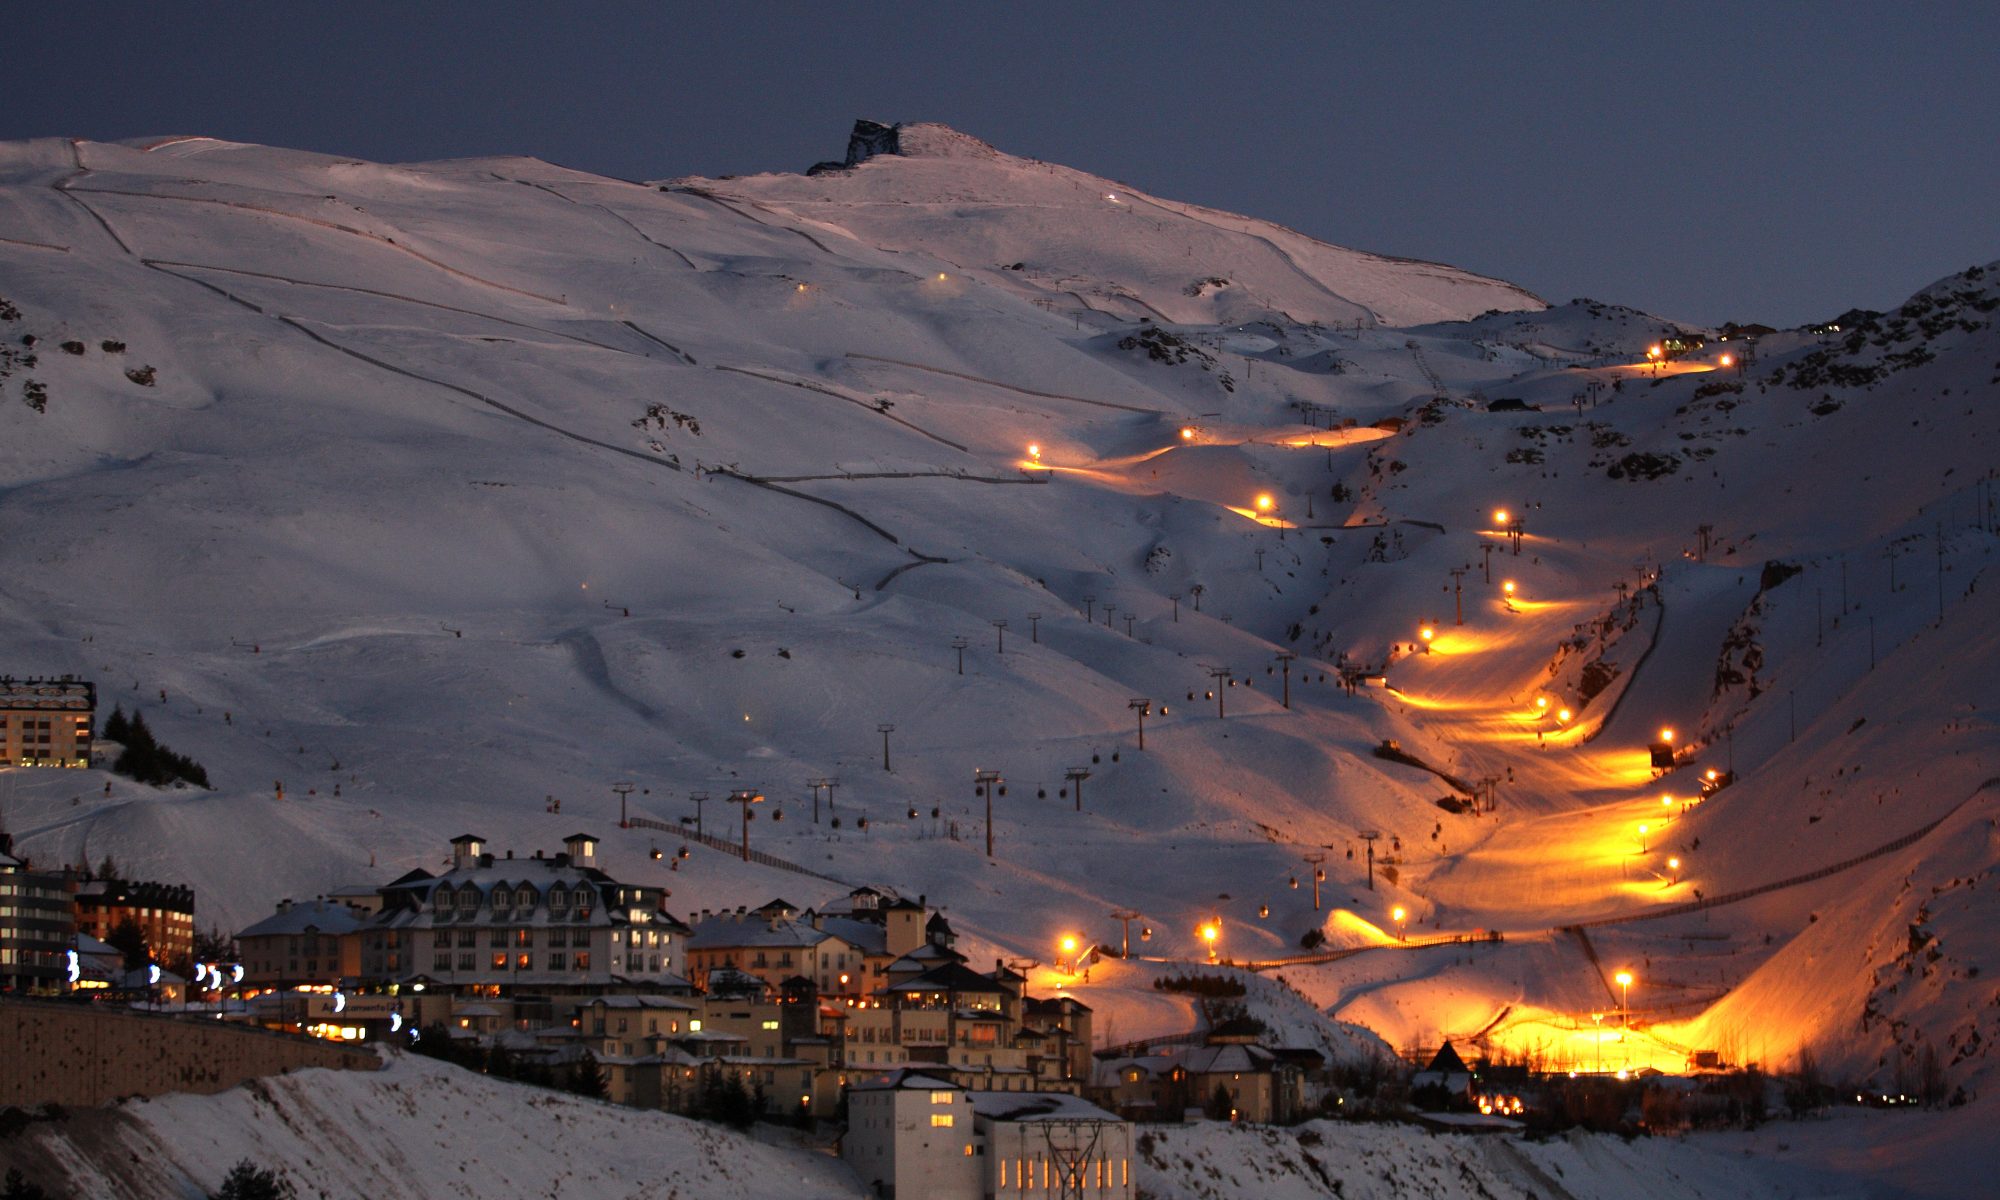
column 322, row 916
column 1037, row 1106
column 906, row 1078
column 731, row 932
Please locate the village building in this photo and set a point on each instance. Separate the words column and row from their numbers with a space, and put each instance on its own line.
column 774, row 945
column 1229, row 1076
column 911, row 1134
column 46, row 722
column 1050, row 1143
column 553, row 925
column 316, row 942
column 37, row 926
column 162, row 912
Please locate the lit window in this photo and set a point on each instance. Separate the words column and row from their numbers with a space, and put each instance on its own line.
column 941, row 1120
column 940, row 1097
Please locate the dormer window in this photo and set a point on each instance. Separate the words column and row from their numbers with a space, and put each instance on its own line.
column 558, row 900
column 524, row 898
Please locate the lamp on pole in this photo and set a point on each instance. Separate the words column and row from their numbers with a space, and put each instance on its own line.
column 1144, row 708
column 985, row 781
column 1624, row 979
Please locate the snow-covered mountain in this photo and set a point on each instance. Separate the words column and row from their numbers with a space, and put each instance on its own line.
column 433, row 492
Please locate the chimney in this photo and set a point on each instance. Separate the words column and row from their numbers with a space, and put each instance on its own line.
column 285, row 905
column 510, row 852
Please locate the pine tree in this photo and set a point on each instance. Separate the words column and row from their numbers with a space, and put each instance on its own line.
column 247, row 1181
column 586, row 1078
column 18, row 1188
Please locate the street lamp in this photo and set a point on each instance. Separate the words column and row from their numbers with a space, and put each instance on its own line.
column 1427, row 633
column 1500, row 518
column 1211, row 932
column 1067, row 963
column 1624, row 979
column 1400, row 914
column 1642, row 837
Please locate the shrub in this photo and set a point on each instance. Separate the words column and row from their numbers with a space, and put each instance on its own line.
column 247, row 1181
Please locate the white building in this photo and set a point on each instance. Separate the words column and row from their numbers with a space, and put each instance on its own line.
column 911, row 1135
column 1050, row 1144
column 919, row 1136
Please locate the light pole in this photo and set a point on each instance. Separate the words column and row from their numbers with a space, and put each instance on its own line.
column 1425, row 635
column 1143, row 707
column 1625, row 998
column 1458, row 591
column 1076, row 776
column 885, row 730
column 1400, row 914
column 1318, row 873
column 985, row 781
column 746, row 799
column 959, row 644
column 1211, row 933
column 1285, row 658
column 1066, row 954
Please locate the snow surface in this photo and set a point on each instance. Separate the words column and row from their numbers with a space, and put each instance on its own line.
column 379, row 520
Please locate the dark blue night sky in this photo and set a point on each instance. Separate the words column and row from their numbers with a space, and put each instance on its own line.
column 1774, row 162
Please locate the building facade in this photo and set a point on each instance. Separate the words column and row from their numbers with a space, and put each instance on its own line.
column 910, row 1134
column 163, row 913
column 46, row 722
column 37, row 926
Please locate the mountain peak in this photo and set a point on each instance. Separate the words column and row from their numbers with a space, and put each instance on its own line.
column 919, row 139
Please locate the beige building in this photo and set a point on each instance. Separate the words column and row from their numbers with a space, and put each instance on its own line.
column 46, row 722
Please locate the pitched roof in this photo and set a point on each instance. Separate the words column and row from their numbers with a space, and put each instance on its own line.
column 1037, row 1106
column 905, row 1078
column 1448, row 1061
column 323, row 916
column 951, row 977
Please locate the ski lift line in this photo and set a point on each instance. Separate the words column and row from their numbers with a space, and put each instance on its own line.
column 860, row 404
column 343, row 287
column 380, row 239
column 1006, row 386
column 732, row 849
